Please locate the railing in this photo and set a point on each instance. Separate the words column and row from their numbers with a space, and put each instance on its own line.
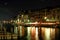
column 6, row 35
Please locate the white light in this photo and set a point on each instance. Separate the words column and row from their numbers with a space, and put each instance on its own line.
column 28, row 33
column 18, row 20
column 36, row 33
column 45, row 17
column 47, row 33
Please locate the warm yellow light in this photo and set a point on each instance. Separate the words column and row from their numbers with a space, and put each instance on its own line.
column 36, row 33
column 28, row 33
column 48, row 23
column 32, row 23
column 36, row 22
column 18, row 20
column 45, row 17
column 47, row 33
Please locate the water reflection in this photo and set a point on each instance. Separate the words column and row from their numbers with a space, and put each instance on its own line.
column 36, row 34
column 47, row 33
column 33, row 33
column 28, row 33
column 42, row 33
column 52, row 33
column 20, row 30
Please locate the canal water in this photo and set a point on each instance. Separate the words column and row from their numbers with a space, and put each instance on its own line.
column 40, row 33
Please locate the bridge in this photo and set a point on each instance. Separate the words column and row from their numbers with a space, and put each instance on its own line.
column 40, row 24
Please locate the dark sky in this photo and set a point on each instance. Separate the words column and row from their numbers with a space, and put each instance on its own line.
column 9, row 8
column 27, row 4
column 32, row 4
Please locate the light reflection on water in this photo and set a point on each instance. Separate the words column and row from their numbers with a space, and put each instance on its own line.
column 52, row 33
column 37, row 33
column 20, row 30
column 32, row 33
column 46, row 33
column 28, row 33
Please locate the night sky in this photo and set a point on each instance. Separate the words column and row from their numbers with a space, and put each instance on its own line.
column 10, row 8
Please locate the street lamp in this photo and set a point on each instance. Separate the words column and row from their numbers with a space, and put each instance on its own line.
column 45, row 17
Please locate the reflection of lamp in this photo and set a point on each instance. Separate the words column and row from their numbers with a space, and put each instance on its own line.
column 18, row 20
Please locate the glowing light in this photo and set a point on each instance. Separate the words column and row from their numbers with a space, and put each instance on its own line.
column 32, row 23
column 45, row 17
column 36, row 22
column 48, row 23
column 33, row 33
column 28, row 33
column 20, row 30
column 18, row 20
column 33, row 28
column 28, row 29
column 36, row 33
column 47, row 34
column 36, row 30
